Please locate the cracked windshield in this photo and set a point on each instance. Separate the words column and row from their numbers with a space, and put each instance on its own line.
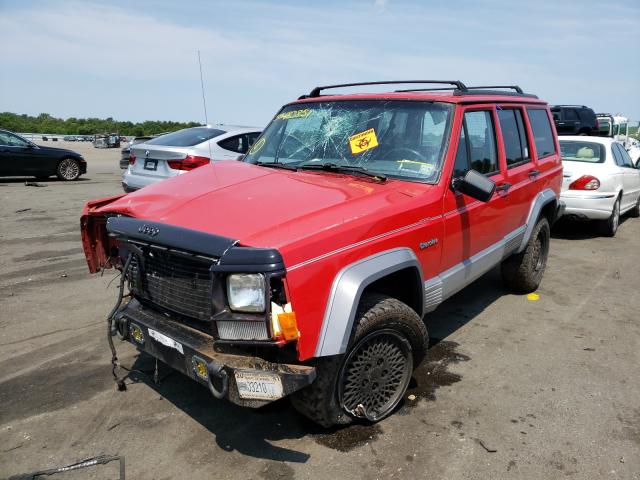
column 397, row 139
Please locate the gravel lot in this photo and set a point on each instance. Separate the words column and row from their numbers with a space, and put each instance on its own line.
column 512, row 388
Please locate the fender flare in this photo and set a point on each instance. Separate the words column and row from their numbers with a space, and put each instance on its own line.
column 347, row 289
column 543, row 198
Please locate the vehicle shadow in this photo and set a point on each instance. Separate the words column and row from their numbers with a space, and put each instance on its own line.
column 464, row 306
column 566, row 229
column 234, row 428
column 251, row 432
column 33, row 179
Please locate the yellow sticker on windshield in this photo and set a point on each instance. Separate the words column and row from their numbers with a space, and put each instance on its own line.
column 303, row 113
column 257, row 146
column 361, row 142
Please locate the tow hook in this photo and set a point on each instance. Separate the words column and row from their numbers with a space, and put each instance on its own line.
column 215, row 369
column 122, row 327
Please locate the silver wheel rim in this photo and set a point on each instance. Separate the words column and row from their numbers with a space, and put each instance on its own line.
column 69, row 169
column 616, row 215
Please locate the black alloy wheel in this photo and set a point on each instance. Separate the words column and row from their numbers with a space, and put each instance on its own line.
column 375, row 374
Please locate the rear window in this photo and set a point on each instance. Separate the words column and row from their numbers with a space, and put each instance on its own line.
column 576, row 151
column 187, row 137
column 542, row 133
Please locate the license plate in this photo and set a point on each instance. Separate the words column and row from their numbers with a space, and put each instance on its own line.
column 258, row 386
column 151, row 165
column 166, row 341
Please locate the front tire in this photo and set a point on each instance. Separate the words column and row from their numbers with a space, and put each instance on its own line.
column 371, row 378
column 68, row 169
column 522, row 272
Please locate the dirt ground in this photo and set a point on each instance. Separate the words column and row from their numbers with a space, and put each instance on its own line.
column 512, row 388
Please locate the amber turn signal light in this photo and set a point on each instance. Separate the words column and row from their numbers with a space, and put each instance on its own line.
column 288, row 325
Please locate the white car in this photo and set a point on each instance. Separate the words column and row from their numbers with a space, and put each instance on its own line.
column 176, row 153
column 600, row 181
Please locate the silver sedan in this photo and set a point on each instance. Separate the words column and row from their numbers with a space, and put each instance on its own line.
column 176, row 153
column 600, row 181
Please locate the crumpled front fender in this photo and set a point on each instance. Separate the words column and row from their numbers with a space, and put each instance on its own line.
column 95, row 240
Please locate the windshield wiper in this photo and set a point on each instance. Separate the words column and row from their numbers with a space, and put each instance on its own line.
column 284, row 166
column 334, row 167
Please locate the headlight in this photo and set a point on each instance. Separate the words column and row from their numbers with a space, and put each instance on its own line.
column 246, row 292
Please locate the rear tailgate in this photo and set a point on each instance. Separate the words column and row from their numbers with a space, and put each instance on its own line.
column 151, row 160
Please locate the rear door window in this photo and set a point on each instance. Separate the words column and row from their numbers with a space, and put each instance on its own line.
column 570, row 114
column 617, row 156
column 477, row 147
column 237, row 143
column 624, row 156
column 516, row 144
column 252, row 137
column 542, row 133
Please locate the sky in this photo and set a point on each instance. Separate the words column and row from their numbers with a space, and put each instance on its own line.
column 138, row 60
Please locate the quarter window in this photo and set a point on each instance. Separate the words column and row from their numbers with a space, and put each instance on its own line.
column 542, row 133
column 237, row 143
column 461, row 167
column 516, row 145
column 477, row 147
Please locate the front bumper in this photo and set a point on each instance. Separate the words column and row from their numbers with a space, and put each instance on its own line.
column 588, row 206
column 222, row 366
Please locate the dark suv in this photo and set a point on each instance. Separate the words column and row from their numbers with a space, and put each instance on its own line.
column 574, row 120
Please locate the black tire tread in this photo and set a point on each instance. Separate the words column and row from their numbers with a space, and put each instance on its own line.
column 518, row 270
column 606, row 226
column 318, row 401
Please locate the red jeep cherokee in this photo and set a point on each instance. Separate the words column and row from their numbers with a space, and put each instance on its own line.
column 307, row 268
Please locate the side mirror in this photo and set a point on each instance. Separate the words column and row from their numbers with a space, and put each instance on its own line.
column 476, row 186
column 241, row 157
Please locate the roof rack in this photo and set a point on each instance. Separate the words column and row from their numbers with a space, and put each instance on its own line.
column 581, row 106
column 477, row 90
column 316, row 91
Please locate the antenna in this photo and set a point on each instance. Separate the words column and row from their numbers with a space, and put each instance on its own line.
column 204, row 101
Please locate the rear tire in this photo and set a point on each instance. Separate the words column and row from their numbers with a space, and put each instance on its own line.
column 68, row 169
column 609, row 227
column 522, row 272
column 371, row 378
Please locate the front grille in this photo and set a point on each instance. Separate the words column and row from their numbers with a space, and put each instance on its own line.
column 173, row 282
column 242, row 330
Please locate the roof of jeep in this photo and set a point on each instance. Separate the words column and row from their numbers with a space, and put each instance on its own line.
column 457, row 93
column 448, row 97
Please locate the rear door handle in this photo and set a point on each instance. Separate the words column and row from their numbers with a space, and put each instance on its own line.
column 503, row 188
column 534, row 173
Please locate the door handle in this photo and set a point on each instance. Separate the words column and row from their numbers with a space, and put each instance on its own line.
column 503, row 188
column 534, row 173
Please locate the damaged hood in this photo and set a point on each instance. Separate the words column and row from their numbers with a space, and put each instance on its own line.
column 265, row 207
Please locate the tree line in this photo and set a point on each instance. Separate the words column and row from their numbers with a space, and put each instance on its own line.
column 45, row 123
